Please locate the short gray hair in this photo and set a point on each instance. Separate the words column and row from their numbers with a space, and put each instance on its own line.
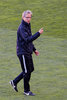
column 26, row 12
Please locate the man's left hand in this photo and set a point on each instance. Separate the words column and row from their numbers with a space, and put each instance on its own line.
column 36, row 53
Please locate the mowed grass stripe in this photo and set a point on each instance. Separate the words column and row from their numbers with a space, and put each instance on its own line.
column 50, row 14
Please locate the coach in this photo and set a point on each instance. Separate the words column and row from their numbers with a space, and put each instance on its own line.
column 25, row 48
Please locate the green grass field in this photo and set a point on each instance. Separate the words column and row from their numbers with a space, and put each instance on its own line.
column 49, row 80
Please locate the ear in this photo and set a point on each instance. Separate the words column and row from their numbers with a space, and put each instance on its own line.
column 23, row 17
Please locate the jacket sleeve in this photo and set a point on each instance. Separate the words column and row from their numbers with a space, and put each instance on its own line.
column 34, row 49
column 26, row 37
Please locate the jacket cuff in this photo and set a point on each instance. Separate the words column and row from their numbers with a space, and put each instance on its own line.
column 34, row 49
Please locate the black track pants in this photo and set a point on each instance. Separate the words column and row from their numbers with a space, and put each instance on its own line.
column 27, row 67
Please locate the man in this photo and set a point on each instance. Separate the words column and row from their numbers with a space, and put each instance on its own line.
column 25, row 48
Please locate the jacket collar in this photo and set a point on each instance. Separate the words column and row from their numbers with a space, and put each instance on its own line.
column 25, row 23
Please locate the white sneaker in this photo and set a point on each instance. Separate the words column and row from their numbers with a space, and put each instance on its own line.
column 13, row 85
column 29, row 93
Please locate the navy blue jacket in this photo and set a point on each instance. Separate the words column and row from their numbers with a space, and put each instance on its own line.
column 25, row 39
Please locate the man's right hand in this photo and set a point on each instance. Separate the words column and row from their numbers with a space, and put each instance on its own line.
column 41, row 31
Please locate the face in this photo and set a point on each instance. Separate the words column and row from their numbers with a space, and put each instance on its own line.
column 27, row 18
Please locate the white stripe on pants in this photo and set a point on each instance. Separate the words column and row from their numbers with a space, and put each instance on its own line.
column 24, row 64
